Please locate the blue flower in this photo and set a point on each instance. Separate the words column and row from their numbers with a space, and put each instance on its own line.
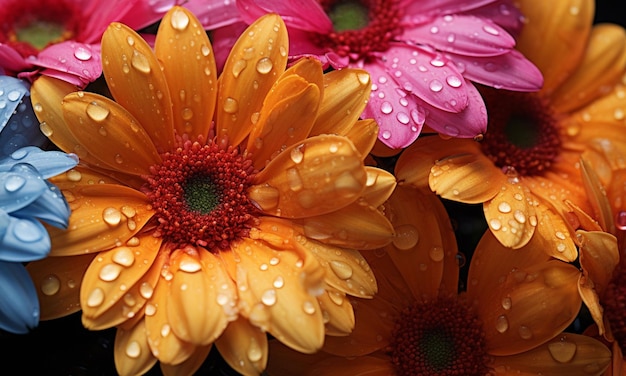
column 26, row 200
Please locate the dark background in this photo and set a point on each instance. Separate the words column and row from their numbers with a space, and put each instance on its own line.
column 63, row 347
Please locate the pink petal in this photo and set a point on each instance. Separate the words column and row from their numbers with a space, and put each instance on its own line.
column 145, row 12
column 214, row 14
column 503, row 13
column 427, row 75
column 100, row 14
column 399, row 119
column 300, row 14
column 73, row 59
column 511, row 71
column 11, row 60
column 463, row 35
column 469, row 123
column 224, row 39
column 442, row 6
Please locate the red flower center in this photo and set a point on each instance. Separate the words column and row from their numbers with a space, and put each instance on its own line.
column 439, row 338
column 30, row 25
column 361, row 26
column 522, row 132
column 614, row 304
column 199, row 193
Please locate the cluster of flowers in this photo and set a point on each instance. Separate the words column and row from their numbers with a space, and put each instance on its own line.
column 270, row 177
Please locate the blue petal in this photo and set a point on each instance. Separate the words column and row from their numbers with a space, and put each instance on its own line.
column 25, row 239
column 48, row 163
column 19, row 306
column 19, row 126
column 20, row 187
column 50, row 207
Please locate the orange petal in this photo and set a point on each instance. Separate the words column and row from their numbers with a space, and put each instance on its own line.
column 202, row 297
column 556, row 57
column 510, row 214
column 111, row 291
column 255, row 62
column 467, row 178
column 320, row 175
column 415, row 163
column 339, row 312
column 358, row 225
column 597, row 195
column 47, row 95
column 565, row 355
column 137, row 83
column 599, row 255
column 103, row 216
column 346, row 92
column 379, row 186
column 275, row 293
column 522, row 296
column 57, row 281
column 584, row 220
column 164, row 344
column 555, row 234
column 243, row 347
column 363, row 135
column 189, row 366
column 602, row 66
column 286, row 118
column 346, row 269
column 109, row 133
column 417, row 249
column 131, row 351
column 604, row 113
column 184, row 50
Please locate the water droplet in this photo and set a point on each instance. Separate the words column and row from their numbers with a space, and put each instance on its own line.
column 436, row 254
column 386, row 107
column 187, row 113
column 50, row 285
column 269, row 297
column 13, row 95
column 123, row 256
column 620, row 220
column 190, row 265
column 205, row 50
column 519, row 216
column 406, row 237
column 341, row 269
column 506, row 303
column 97, row 112
column 308, row 307
column 112, row 216
column 386, row 135
column 140, row 62
column 504, row 207
column 179, row 20
column 110, row 272
column 81, row 53
column 230, row 105
column 146, row 290
column 525, row 332
column 435, row 86
column 562, row 351
column 130, row 40
column 279, row 282
column 297, row 154
column 491, row 30
column 133, row 350
column 14, row 182
column 264, row 65
column 254, row 352
column 238, row 67
column 502, row 324
column 95, row 298
column 454, row 81
column 364, row 78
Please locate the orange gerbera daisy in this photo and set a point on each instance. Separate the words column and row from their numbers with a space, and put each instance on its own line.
column 185, row 233
column 526, row 169
column 509, row 321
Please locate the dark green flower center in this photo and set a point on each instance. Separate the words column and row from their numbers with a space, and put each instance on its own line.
column 523, row 132
column 438, row 338
column 201, row 194
column 40, row 34
column 349, row 15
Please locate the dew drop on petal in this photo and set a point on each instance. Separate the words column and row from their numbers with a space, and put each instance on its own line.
column 123, row 256
column 179, row 20
column 254, row 352
column 341, row 269
column 14, row 183
column 230, row 105
column 308, row 307
column 96, row 111
column 133, row 350
column 81, row 53
column 436, row 254
column 454, row 81
column 406, row 237
column 506, row 303
column 112, row 216
column 502, row 324
column 95, row 298
column 435, row 86
column 386, row 108
column 110, row 272
column 50, row 285
column 269, row 297
column 140, row 62
column 563, row 351
column 26, row 232
column 504, row 207
column 264, row 65
column 525, row 332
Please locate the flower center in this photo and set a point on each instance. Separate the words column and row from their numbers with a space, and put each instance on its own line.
column 28, row 26
column 439, row 338
column 614, row 303
column 199, row 193
column 522, row 132
column 360, row 26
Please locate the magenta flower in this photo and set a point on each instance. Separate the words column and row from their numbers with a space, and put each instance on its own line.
column 61, row 38
column 424, row 56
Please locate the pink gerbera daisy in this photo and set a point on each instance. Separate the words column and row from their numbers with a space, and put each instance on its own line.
column 424, row 56
column 61, row 38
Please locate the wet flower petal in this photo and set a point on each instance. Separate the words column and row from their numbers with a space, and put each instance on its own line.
column 244, row 347
column 131, row 350
column 19, row 307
